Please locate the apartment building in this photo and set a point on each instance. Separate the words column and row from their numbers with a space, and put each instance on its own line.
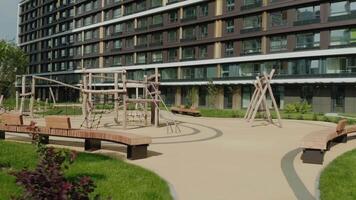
column 194, row 43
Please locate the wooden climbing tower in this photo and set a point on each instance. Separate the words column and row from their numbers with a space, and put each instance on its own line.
column 259, row 99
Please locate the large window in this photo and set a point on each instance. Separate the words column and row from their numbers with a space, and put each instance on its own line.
column 172, row 55
column 141, row 58
column 189, row 32
column 230, row 5
column 189, row 13
column 157, row 57
column 188, row 53
column 230, row 27
column 169, row 73
column 229, row 49
column 278, row 18
column 278, row 43
column 308, row 13
column 252, row 22
column 172, row 36
column 342, row 8
column 308, row 40
column 342, row 37
column 251, row 46
column 230, row 70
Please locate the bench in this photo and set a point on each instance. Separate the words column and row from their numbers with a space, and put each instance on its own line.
column 61, row 127
column 317, row 143
column 186, row 111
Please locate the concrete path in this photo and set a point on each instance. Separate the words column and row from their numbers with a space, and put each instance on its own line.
column 227, row 159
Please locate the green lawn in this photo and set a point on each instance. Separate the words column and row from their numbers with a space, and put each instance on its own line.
column 114, row 178
column 338, row 180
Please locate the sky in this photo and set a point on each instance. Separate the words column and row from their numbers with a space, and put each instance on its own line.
column 8, row 19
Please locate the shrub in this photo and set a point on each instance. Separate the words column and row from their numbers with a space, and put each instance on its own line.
column 315, row 117
column 290, row 108
column 302, row 108
column 326, row 119
column 47, row 180
column 300, row 117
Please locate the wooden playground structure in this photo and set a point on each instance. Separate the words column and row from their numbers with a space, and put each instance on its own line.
column 117, row 84
column 259, row 102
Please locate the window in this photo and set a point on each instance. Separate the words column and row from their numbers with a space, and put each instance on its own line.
column 308, row 40
column 308, row 13
column 278, row 43
column 342, row 37
column 117, row 13
column 251, row 2
column 141, row 58
column 203, row 52
column 169, row 73
column 229, row 49
column 230, row 26
column 230, row 5
column 204, row 10
column 157, row 20
column 157, row 57
column 142, row 40
column 156, row 3
column 172, row 36
column 141, row 5
column 129, row 42
column 129, row 59
column 142, row 23
column 118, row 28
column 117, row 61
column 251, row 46
column 172, row 55
column 156, row 38
column 342, row 8
column 189, row 13
column 189, row 32
column 173, row 16
column 117, row 44
column 203, row 31
column 188, row 53
column 252, row 22
column 278, row 18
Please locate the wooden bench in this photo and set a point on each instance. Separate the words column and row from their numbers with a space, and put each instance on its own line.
column 186, row 111
column 61, row 127
column 317, row 143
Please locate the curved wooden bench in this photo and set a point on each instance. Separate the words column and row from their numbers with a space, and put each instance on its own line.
column 61, row 127
column 317, row 143
column 186, row 111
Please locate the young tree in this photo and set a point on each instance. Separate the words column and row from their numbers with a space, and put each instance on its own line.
column 13, row 61
column 213, row 91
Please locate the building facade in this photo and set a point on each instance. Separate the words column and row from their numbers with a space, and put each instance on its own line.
column 198, row 43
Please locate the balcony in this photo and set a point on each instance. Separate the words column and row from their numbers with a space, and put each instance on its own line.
column 306, row 22
column 155, row 43
column 140, row 46
column 352, row 15
column 156, row 25
column 189, row 18
column 249, row 30
column 141, row 28
column 188, row 39
column 251, row 6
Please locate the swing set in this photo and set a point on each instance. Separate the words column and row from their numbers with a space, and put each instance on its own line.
column 259, row 102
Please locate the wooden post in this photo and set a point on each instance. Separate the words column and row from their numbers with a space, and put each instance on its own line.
column 145, row 90
column 90, row 96
column 46, row 104
column 52, row 95
column 17, row 101
column 23, row 91
column 116, row 95
column 84, row 103
column 124, row 97
column 32, row 100
column 136, row 105
column 156, row 99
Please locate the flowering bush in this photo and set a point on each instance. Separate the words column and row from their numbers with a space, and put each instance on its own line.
column 47, row 180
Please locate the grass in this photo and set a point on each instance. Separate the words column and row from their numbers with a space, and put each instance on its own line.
column 338, row 179
column 62, row 111
column 114, row 178
column 230, row 113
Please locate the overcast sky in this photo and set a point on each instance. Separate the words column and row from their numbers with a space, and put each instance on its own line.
column 8, row 19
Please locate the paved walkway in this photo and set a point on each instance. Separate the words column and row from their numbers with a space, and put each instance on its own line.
column 223, row 159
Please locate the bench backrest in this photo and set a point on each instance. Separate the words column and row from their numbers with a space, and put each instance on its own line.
column 11, row 119
column 60, row 122
column 341, row 126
